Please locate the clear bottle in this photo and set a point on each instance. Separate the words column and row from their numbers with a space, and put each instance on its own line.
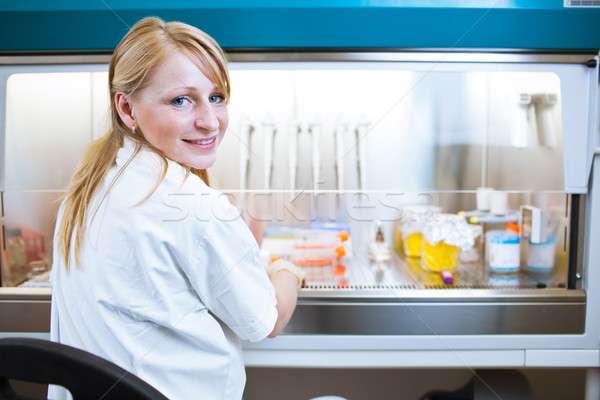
column 379, row 251
column 540, row 256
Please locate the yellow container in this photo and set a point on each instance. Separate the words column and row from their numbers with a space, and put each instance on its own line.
column 443, row 241
column 413, row 244
column 397, row 237
column 414, row 219
column 439, row 256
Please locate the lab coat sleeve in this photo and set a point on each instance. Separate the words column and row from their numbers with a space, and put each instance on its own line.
column 234, row 285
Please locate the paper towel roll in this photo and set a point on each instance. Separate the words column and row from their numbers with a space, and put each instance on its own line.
column 483, row 198
column 499, row 202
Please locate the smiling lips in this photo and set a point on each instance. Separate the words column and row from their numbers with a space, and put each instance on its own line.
column 203, row 143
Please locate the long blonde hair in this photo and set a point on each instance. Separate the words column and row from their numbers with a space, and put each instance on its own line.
column 131, row 66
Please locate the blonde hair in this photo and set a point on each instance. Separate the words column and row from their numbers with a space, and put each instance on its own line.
column 144, row 47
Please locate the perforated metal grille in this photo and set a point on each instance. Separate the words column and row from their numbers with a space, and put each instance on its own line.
column 507, row 285
column 358, row 286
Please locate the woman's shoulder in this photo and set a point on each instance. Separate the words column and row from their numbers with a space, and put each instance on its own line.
column 210, row 202
column 165, row 183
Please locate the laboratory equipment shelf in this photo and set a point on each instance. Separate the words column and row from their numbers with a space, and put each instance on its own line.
column 402, row 299
column 407, row 273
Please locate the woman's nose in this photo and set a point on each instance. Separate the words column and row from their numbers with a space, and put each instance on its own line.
column 207, row 119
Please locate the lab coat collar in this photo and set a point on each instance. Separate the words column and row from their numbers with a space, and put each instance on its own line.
column 145, row 155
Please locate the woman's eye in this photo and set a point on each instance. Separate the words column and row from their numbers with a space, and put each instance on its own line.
column 216, row 98
column 180, row 101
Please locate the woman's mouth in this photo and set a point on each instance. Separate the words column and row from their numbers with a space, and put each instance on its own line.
column 202, row 142
column 205, row 144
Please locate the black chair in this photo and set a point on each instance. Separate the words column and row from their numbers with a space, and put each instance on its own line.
column 85, row 375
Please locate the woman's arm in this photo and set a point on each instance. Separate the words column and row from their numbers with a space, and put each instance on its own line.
column 286, row 293
column 286, row 279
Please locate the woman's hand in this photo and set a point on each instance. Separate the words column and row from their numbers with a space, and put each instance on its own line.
column 286, row 279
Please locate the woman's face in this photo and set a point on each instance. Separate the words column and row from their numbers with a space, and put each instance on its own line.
column 181, row 112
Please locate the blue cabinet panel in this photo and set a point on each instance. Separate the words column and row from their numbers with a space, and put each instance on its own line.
column 68, row 25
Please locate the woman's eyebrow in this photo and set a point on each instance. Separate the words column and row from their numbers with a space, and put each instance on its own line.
column 214, row 88
column 183, row 89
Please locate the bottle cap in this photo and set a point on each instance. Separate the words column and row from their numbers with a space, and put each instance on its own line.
column 513, row 227
column 343, row 235
column 379, row 235
column 447, row 277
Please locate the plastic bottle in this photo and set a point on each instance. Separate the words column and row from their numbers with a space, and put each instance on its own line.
column 540, row 257
column 504, row 250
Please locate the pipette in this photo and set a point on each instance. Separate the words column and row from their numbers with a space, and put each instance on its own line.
column 246, row 130
column 315, row 130
column 543, row 103
column 269, row 136
column 362, row 130
column 520, row 130
column 340, row 131
column 294, row 130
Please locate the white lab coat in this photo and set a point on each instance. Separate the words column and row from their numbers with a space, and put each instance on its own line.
column 166, row 288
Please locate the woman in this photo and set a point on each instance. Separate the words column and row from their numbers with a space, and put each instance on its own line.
column 154, row 270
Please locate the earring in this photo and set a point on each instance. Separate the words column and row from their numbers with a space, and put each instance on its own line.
column 133, row 129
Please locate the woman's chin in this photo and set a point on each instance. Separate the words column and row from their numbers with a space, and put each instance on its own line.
column 203, row 163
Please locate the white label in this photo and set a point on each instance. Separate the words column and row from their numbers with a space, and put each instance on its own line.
column 504, row 256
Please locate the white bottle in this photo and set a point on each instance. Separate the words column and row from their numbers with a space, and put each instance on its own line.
column 504, row 250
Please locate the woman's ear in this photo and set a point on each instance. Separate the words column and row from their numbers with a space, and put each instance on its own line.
column 125, row 109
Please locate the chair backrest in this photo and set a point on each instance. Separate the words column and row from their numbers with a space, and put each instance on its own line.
column 85, row 375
